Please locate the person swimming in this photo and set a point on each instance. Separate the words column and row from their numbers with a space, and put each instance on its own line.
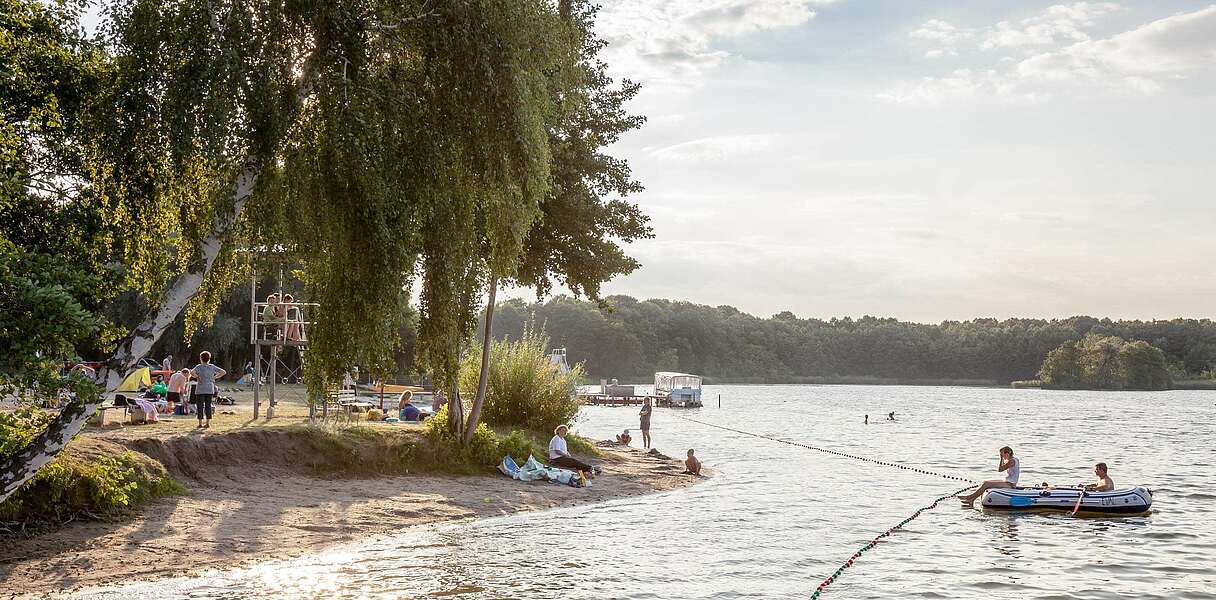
column 1008, row 465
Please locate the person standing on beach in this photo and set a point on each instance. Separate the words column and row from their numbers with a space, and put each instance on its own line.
column 177, row 385
column 167, row 364
column 204, row 393
column 644, row 425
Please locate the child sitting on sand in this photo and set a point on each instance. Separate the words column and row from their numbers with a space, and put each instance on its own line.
column 624, row 438
column 691, row 464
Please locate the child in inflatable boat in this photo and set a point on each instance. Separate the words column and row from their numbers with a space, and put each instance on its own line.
column 1007, row 465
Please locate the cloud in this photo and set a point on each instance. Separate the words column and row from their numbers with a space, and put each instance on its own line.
column 944, row 36
column 676, row 41
column 715, row 148
column 1139, row 61
column 1058, row 24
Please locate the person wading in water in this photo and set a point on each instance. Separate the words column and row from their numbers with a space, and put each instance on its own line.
column 644, row 418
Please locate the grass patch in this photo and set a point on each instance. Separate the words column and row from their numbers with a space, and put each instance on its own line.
column 90, row 480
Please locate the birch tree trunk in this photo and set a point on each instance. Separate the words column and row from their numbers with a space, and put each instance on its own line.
column 483, row 379
column 21, row 466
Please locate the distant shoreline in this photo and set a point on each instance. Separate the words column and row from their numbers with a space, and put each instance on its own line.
column 1184, row 384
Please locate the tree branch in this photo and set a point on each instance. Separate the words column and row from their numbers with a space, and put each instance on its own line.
column 402, row 22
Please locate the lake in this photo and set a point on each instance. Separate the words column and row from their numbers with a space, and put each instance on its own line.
column 776, row 519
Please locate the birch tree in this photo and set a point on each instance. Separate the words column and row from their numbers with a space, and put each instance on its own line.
column 378, row 142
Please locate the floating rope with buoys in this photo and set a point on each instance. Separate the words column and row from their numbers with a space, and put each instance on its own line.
column 874, row 542
column 835, row 452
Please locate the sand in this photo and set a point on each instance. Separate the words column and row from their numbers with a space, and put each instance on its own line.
column 243, row 513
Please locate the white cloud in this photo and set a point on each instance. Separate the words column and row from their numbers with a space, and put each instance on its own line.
column 1139, row 61
column 676, row 41
column 1058, row 24
column 944, row 36
column 1062, row 23
column 715, row 148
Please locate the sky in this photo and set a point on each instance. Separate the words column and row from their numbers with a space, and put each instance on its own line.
column 923, row 160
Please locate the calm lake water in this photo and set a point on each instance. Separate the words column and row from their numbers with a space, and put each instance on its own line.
column 777, row 519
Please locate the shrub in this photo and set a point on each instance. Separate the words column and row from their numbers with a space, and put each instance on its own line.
column 448, row 454
column 519, row 445
column 98, row 487
column 524, row 389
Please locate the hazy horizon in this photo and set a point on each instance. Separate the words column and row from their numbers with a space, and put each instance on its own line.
column 926, row 161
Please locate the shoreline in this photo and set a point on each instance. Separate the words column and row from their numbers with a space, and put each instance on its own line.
column 241, row 513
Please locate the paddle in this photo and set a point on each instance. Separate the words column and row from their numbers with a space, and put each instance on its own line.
column 1077, row 506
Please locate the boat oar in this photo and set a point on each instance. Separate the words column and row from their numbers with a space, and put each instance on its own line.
column 1077, row 506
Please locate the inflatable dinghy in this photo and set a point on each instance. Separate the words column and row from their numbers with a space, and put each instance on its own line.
column 1131, row 501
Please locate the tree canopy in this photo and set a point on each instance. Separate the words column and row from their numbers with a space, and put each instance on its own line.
column 374, row 145
column 633, row 339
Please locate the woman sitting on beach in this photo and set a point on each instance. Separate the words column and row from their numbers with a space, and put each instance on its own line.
column 559, row 454
column 1008, row 465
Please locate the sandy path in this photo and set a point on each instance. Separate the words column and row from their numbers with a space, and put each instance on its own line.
column 241, row 515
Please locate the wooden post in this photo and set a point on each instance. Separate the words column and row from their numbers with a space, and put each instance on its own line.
column 253, row 341
column 257, row 377
column 274, row 378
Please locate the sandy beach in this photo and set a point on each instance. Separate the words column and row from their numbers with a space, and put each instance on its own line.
column 251, row 501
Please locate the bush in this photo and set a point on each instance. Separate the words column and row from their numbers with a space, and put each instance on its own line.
column 447, row 453
column 524, row 388
column 519, row 445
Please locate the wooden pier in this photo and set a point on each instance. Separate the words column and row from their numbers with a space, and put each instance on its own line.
column 607, row 400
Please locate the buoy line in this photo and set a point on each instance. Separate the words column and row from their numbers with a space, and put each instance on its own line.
column 874, row 542
column 835, row 452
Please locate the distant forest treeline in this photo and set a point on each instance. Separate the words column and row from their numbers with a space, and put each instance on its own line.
column 636, row 338
column 633, row 339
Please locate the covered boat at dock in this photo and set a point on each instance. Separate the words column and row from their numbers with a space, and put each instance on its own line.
column 1129, row 501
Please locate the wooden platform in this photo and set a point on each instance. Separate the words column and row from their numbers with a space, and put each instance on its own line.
column 602, row 400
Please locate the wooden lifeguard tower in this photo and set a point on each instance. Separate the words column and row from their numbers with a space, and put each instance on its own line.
column 286, row 328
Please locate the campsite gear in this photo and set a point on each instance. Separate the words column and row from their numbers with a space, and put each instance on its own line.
column 135, row 379
column 533, row 470
column 1130, row 501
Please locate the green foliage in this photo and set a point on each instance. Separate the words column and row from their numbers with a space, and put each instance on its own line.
column 520, row 445
column 19, row 427
column 359, row 450
column 1106, row 363
column 447, row 453
column 632, row 339
column 72, row 487
column 524, row 389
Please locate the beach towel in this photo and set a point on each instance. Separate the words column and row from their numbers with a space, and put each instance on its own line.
column 533, row 470
column 148, row 408
column 508, row 467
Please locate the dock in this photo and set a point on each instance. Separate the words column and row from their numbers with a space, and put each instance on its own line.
column 608, row 400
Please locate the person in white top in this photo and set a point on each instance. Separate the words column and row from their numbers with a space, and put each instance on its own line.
column 559, row 454
column 167, row 364
column 1009, row 466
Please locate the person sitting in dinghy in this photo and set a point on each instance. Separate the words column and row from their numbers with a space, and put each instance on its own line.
column 1104, row 483
column 1009, row 466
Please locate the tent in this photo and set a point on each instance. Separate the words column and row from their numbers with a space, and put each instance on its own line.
column 140, row 376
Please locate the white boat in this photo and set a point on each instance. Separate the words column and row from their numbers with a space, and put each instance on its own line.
column 1129, row 501
column 680, row 389
column 557, row 358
